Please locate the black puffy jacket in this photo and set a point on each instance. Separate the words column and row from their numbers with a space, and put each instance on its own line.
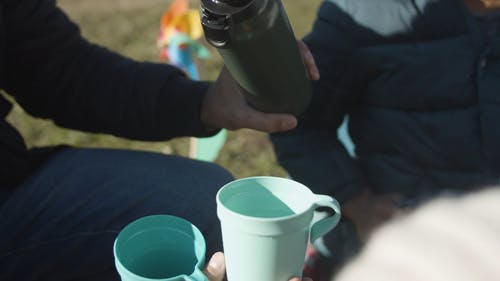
column 420, row 83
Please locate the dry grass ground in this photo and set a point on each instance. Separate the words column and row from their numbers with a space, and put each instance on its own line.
column 130, row 27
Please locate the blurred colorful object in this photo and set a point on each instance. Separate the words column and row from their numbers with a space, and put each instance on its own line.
column 180, row 30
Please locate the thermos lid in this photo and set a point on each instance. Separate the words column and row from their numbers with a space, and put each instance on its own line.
column 235, row 3
column 219, row 16
column 236, row 10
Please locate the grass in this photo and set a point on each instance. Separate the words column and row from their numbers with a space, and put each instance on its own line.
column 130, row 28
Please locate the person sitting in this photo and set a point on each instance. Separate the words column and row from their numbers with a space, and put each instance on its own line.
column 418, row 84
column 61, row 207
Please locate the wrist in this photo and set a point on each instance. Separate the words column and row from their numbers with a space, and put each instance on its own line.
column 351, row 206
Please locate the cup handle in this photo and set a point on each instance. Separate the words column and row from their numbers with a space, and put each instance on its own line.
column 324, row 225
column 198, row 275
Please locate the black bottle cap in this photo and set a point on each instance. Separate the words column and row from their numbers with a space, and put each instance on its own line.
column 235, row 3
column 235, row 10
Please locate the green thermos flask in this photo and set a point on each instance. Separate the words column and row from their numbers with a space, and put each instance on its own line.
column 258, row 46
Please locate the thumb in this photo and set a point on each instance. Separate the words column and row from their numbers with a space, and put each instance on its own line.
column 269, row 122
column 216, row 268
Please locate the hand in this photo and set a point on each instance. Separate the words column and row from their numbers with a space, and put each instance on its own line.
column 224, row 105
column 216, row 269
column 368, row 210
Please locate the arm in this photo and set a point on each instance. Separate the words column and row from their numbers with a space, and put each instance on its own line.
column 54, row 73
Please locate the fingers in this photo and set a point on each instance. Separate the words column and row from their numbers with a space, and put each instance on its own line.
column 216, row 268
column 270, row 122
column 307, row 57
column 224, row 106
column 298, row 279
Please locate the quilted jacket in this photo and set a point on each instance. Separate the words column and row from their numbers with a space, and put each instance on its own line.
column 420, row 83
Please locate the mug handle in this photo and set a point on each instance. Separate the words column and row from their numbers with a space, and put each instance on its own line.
column 324, row 225
column 197, row 275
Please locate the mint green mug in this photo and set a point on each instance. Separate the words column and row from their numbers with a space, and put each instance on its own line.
column 160, row 248
column 266, row 224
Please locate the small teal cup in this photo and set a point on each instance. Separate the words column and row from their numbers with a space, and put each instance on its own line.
column 160, row 248
column 266, row 224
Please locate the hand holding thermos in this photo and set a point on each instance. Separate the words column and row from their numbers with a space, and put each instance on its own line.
column 270, row 70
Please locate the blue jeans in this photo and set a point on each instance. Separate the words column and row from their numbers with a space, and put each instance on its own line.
column 61, row 223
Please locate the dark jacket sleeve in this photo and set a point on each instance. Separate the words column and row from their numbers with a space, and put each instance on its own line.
column 312, row 153
column 54, row 73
